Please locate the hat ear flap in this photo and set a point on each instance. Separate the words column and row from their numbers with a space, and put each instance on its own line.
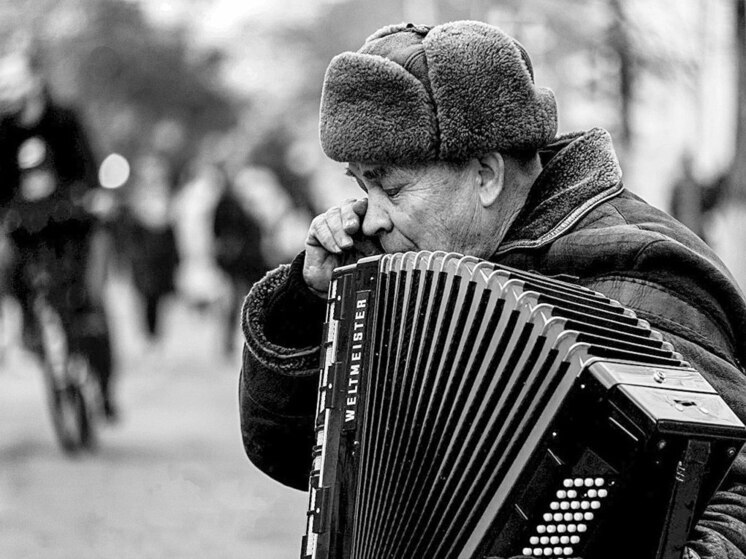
column 486, row 97
column 373, row 110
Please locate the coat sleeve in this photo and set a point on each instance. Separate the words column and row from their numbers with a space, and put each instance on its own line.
column 721, row 532
column 279, row 379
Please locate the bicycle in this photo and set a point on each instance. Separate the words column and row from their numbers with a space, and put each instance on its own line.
column 49, row 182
column 73, row 395
column 59, row 338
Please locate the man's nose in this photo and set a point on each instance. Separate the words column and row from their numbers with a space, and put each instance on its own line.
column 376, row 220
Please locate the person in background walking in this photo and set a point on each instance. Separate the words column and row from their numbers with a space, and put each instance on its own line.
column 150, row 244
column 692, row 200
column 238, row 249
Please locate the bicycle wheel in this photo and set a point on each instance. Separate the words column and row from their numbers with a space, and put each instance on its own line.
column 71, row 386
column 72, row 408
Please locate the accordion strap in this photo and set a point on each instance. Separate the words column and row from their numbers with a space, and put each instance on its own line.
column 688, row 479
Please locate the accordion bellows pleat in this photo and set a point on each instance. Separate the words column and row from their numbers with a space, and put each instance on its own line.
column 468, row 410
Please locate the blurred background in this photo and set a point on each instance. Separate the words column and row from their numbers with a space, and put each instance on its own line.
column 202, row 117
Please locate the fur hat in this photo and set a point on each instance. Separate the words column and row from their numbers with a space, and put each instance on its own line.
column 450, row 92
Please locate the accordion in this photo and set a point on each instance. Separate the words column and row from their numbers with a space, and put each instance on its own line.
column 468, row 410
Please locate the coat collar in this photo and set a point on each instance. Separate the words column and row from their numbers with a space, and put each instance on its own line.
column 580, row 172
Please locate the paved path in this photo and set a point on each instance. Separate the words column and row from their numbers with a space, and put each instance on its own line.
column 170, row 481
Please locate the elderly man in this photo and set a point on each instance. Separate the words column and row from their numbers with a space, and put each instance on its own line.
column 454, row 148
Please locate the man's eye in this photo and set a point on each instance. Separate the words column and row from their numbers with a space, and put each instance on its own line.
column 392, row 191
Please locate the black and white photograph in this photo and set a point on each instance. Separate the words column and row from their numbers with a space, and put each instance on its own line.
column 405, row 279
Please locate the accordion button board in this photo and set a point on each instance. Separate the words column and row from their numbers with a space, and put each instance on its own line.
column 468, row 410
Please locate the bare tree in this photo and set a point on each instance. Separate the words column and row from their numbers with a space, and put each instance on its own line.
column 621, row 46
column 730, row 236
column 737, row 178
column 108, row 59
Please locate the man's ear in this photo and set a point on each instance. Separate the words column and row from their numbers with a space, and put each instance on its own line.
column 491, row 177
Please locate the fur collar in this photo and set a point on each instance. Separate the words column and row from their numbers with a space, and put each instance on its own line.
column 580, row 172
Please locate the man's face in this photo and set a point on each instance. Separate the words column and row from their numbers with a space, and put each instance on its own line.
column 429, row 206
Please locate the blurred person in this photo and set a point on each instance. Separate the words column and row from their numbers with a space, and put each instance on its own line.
column 7, row 263
column 455, row 148
column 238, row 248
column 277, row 152
column 715, row 192
column 199, row 279
column 148, row 234
column 692, row 199
column 47, row 180
column 283, row 224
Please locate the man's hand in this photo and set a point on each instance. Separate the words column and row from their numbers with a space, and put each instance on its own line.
column 335, row 239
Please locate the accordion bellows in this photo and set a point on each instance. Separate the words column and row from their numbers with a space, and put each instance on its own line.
column 469, row 410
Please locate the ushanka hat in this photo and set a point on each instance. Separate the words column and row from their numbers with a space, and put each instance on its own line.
column 414, row 93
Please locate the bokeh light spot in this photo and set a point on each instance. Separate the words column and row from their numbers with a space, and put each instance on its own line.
column 114, row 171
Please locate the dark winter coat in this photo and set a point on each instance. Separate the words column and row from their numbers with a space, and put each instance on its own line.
column 578, row 220
column 153, row 255
column 64, row 154
column 238, row 241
